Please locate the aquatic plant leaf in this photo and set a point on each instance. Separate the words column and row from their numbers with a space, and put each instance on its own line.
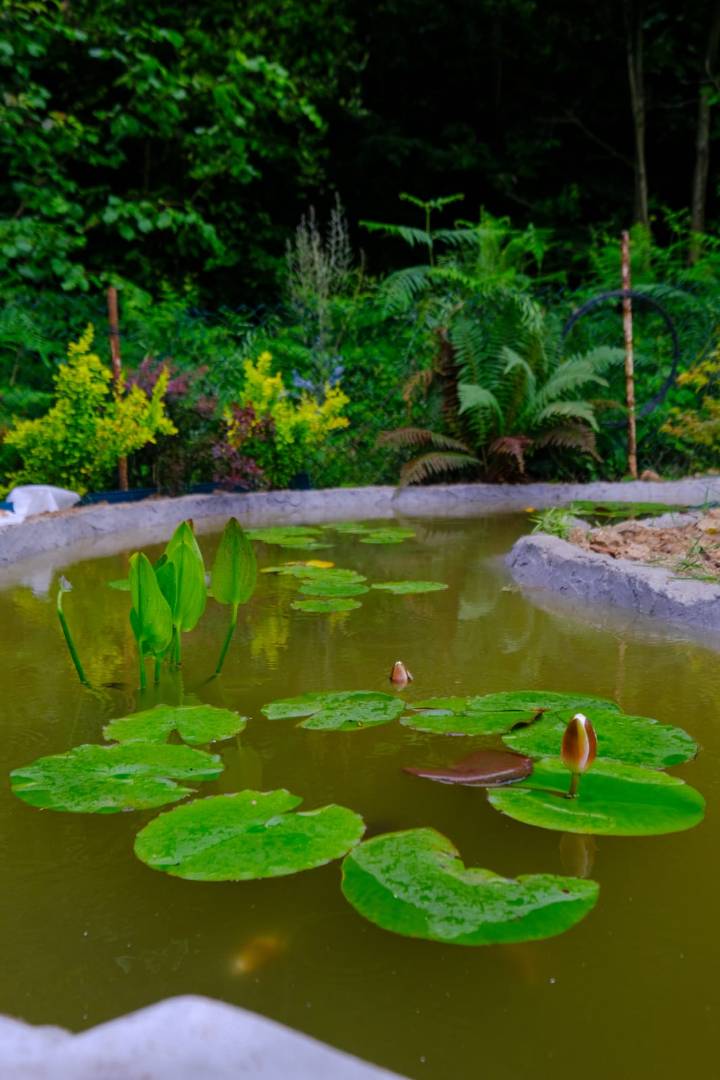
column 533, row 701
column 249, row 835
column 402, row 588
column 622, row 511
column 189, row 592
column 320, row 587
column 94, row 779
column 120, row 584
column 637, row 740
column 414, row 883
column 195, row 724
column 614, row 800
column 344, row 710
column 484, row 768
column 302, row 545
column 288, row 535
column 234, row 572
column 445, row 722
column 311, row 572
column 325, row 606
column 351, row 528
column 387, row 536
column 150, row 615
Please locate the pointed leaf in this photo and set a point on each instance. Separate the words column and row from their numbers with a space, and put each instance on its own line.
column 234, row 572
column 150, row 618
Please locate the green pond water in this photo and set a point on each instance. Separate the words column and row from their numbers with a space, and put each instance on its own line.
column 87, row 932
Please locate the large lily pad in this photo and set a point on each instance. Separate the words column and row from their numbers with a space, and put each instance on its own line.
column 104, row 779
column 414, row 883
column 346, row 710
column 195, row 724
column 446, row 722
column 300, row 569
column 614, row 800
column 249, row 835
column 403, row 588
column 350, row 528
column 333, row 587
column 325, row 605
column 484, row 768
column 638, row 740
column 493, row 714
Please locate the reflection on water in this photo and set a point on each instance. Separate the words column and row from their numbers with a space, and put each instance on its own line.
column 88, row 932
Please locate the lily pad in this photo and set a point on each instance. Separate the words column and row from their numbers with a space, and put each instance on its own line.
column 387, row 536
column 104, row 779
column 402, row 588
column 637, row 740
column 325, row 606
column 195, row 724
column 299, row 569
column 274, row 534
column 321, row 587
column 351, row 528
column 345, row 710
column 536, row 700
column 414, row 883
column 245, row 836
column 445, row 722
column 614, row 800
column 484, row 768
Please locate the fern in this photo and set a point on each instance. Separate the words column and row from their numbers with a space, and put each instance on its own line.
column 434, row 464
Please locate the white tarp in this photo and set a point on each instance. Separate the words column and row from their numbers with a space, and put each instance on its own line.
column 36, row 499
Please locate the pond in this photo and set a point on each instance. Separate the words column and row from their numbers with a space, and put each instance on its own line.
column 89, row 932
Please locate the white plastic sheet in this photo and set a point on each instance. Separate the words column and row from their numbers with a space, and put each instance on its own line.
column 37, row 499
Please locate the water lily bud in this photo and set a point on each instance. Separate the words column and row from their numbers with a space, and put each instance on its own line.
column 579, row 747
column 400, row 675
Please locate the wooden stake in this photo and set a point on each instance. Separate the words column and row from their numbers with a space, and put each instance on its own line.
column 114, row 334
column 629, row 357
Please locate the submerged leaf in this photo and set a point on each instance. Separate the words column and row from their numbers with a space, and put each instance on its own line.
column 484, row 768
column 614, row 800
column 401, row 588
column 637, row 740
column 245, row 836
column 345, row 710
column 195, row 724
column 104, row 779
column 325, row 606
column 387, row 536
column 414, row 883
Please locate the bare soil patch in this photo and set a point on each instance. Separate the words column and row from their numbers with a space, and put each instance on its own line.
column 690, row 550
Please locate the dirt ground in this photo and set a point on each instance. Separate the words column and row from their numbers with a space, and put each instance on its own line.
column 691, row 550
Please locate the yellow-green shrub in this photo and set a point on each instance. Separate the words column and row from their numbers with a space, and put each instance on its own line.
column 90, row 425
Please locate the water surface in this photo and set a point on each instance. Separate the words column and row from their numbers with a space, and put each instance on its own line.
column 88, row 932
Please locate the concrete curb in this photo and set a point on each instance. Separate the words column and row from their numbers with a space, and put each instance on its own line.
column 183, row 1038
column 547, row 562
column 151, row 519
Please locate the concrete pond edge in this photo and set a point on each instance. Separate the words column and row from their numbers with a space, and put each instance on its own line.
column 87, row 527
column 548, row 563
column 181, row 1038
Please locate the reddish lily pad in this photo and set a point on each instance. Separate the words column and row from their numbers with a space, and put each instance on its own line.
column 484, row 768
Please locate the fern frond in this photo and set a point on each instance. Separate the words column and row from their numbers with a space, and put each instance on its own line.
column 473, row 396
column 414, row 436
column 571, row 437
column 434, row 464
column 575, row 410
column 411, row 236
column 419, row 380
column 513, row 446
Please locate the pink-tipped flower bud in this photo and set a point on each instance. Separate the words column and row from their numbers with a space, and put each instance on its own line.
column 400, row 676
column 579, row 745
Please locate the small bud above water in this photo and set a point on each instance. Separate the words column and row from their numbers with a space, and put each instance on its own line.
column 579, row 747
column 400, row 675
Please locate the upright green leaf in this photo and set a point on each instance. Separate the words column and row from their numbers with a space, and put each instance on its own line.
column 190, row 588
column 234, row 572
column 150, row 615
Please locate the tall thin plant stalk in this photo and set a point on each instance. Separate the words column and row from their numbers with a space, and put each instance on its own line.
column 64, row 587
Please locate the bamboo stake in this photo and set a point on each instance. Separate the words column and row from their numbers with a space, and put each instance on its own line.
column 629, row 357
column 114, row 335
